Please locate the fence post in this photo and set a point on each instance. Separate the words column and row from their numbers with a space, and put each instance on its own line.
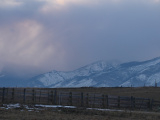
column 93, row 101
column 55, row 97
column 13, row 94
column 107, row 101
column 132, row 102
column 48, row 97
column 118, row 101
column 87, row 100
column 82, row 99
column 33, row 96
column 7, row 96
column 59, row 99
column 103, row 101
column 70, row 98
column 151, row 104
column 24, row 96
column 40, row 96
column 3, row 94
column 52, row 98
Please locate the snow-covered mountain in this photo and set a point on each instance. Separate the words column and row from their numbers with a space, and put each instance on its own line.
column 103, row 74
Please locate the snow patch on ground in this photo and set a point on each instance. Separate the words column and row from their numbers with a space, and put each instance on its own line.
column 40, row 107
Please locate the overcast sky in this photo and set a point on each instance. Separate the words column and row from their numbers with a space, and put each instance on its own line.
column 46, row 35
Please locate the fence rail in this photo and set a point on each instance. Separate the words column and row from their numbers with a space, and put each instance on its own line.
column 79, row 99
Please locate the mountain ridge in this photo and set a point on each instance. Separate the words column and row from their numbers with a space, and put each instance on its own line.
column 97, row 74
column 103, row 74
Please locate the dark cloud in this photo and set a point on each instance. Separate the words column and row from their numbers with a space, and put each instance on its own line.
column 66, row 35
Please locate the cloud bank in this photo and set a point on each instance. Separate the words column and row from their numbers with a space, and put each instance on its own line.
column 67, row 34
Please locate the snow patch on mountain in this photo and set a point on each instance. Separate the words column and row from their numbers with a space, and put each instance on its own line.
column 51, row 78
column 54, row 78
column 144, row 66
column 103, row 74
column 142, row 77
column 153, row 79
column 126, row 84
column 84, row 82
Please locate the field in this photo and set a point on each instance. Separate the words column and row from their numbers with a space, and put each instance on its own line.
column 145, row 92
column 88, row 114
column 75, row 114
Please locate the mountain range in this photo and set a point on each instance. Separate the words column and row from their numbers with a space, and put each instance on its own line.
column 98, row 74
column 103, row 74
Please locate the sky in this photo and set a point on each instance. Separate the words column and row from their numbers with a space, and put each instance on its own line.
column 38, row 36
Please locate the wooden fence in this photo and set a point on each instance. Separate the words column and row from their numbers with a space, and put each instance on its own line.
column 79, row 99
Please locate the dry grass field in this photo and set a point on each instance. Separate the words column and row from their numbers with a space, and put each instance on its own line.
column 74, row 114
column 144, row 92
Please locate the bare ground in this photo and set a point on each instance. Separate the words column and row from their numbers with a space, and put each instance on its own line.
column 75, row 114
